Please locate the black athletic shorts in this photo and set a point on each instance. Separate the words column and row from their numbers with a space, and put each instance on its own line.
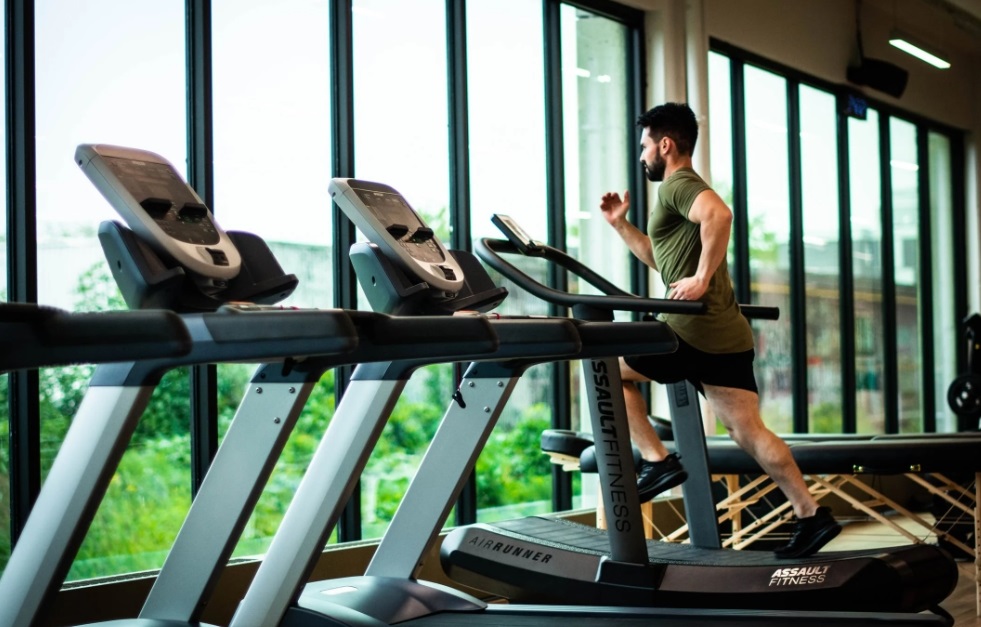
column 730, row 370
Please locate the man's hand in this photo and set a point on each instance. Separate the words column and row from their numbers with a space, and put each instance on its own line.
column 614, row 209
column 689, row 288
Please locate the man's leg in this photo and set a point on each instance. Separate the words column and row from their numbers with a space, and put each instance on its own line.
column 740, row 414
column 739, row 411
column 657, row 471
column 642, row 433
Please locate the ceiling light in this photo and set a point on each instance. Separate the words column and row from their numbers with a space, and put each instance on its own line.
column 918, row 49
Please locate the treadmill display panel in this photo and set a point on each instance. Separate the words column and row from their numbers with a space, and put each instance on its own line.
column 402, row 224
column 166, row 199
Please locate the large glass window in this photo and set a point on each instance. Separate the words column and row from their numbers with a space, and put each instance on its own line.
column 108, row 71
column 720, row 132
column 400, row 118
column 272, row 147
column 904, row 166
column 866, row 223
column 507, row 143
column 947, row 334
column 819, row 205
column 913, row 299
column 400, row 129
column 601, row 145
column 768, row 194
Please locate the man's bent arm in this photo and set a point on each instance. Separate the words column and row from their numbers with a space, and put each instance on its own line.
column 715, row 221
column 637, row 241
column 615, row 211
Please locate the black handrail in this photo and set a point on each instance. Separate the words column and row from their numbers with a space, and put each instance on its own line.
column 615, row 298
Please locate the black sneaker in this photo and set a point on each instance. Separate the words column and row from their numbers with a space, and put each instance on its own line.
column 810, row 534
column 656, row 477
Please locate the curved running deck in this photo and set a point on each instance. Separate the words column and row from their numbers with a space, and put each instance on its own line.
column 511, row 559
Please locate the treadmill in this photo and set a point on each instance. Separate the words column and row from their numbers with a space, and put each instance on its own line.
column 902, row 579
column 226, row 285
column 389, row 593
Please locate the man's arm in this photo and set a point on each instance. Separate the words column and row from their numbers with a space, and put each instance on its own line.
column 714, row 218
column 615, row 211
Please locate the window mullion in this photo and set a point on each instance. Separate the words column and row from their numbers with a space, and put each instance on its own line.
column 798, row 280
column 200, row 172
column 890, row 375
column 22, row 268
column 924, row 271
column 846, row 283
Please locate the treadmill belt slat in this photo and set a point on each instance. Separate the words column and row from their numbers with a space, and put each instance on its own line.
column 558, row 533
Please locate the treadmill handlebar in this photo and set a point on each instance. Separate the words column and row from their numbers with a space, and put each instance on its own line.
column 616, row 299
column 760, row 312
column 39, row 336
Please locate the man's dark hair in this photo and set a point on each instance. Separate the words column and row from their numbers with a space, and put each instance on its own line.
column 675, row 120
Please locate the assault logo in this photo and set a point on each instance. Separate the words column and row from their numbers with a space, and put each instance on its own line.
column 799, row 576
column 510, row 549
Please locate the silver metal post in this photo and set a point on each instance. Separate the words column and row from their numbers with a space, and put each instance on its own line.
column 89, row 455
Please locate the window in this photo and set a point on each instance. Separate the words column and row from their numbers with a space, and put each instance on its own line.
column 767, row 179
column 904, row 167
column 86, row 65
column 400, row 130
column 507, row 175
column 866, row 223
column 898, row 240
column 819, row 205
column 272, row 147
column 601, row 144
column 946, row 333
column 601, row 140
column 720, row 135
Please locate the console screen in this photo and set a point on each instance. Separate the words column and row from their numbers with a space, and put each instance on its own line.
column 186, row 219
column 145, row 179
column 391, row 209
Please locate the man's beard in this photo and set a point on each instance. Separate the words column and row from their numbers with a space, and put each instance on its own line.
column 655, row 172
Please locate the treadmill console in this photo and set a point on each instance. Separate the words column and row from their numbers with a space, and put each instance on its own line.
column 387, row 219
column 517, row 235
column 161, row 208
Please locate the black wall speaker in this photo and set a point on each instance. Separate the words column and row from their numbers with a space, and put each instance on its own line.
column 881, row 75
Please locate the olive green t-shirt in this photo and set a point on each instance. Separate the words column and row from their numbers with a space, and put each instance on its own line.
column 677, row 246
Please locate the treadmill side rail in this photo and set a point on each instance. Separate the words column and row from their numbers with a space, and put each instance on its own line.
column 226, row 498
column 318, row 500
column 443, row 471
column 72, row 492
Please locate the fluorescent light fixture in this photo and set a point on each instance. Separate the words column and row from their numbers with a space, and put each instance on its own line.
column 918, row 49
column 904, row 165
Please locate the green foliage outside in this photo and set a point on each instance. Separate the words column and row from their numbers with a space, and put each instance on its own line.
column 149, row 494
column 512, row 468
column 826, row 418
